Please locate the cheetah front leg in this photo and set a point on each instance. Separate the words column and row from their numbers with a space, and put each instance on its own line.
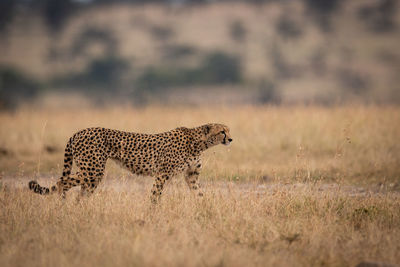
column 158, row 187
column 192, row 178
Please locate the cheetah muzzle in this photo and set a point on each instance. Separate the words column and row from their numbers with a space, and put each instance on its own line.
column 161, row 156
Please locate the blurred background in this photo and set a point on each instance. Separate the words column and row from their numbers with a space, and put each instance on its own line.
column 57, row 53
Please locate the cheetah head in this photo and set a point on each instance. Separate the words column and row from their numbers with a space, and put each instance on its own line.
column 216, row 134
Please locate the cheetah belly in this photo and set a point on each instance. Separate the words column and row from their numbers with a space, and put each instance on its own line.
column 138, row 167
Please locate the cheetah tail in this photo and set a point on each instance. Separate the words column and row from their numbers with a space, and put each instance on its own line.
column 35, row 187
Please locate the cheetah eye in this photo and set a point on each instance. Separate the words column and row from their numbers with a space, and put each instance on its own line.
column 223, row 132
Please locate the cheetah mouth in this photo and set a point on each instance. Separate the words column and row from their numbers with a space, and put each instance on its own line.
column 226, row 142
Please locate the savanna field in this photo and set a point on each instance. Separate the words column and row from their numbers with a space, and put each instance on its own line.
column 299, row 186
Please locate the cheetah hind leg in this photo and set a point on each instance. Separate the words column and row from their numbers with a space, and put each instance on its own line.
column 66, row 183
column 89, row 185
column 86, row 190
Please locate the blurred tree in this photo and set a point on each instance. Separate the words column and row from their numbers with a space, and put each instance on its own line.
column 94, row 35
column 353, row 82
column 238, row 31
column 56, row 13
column 178, row 51
column 102, row 74
column 161, row 32
column 7, row 11
column 322, row 10
column 288, row 28
column 219, row 67
column 106, row 71
column 268, row 94
column 215, row 68
column 282, row 68
column 380, row 16
column 14, row 87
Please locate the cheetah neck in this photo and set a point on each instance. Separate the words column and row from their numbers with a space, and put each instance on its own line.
column 199, row 142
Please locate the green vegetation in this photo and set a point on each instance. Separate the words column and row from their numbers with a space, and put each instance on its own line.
column 215, row 68
column 15, row 86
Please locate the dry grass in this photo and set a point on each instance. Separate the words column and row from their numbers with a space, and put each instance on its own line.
column 233, row 227
column 299, row 186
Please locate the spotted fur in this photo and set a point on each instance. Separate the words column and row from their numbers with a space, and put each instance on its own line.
column 161, row 156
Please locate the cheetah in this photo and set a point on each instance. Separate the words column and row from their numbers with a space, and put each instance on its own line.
column 161, row 156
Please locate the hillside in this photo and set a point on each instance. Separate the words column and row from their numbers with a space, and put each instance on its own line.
column 282, row 50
